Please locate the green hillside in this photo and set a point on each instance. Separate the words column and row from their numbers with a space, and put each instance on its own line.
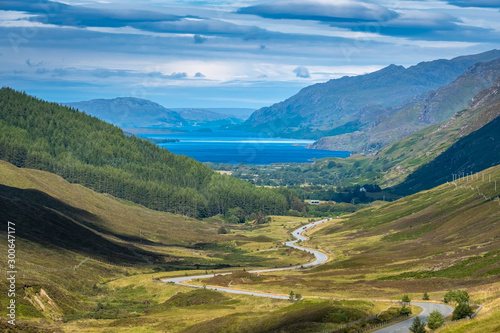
column 71, row 242
column 435, row 240
column 82, row 149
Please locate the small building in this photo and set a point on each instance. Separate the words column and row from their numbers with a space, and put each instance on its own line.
column 314, row 202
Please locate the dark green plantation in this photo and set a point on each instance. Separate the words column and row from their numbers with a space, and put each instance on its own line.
column 83, row 149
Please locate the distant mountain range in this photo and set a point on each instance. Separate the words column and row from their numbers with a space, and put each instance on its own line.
column 432, row 108
column 383, row 98
column 129, row 112
column 214, row 117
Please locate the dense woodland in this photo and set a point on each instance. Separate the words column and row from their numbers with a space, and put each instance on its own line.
column 85, row 150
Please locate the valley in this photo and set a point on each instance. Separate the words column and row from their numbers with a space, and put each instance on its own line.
column 253, row 174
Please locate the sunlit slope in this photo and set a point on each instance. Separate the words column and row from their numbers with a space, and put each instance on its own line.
column 434, row 240
column 106, row 213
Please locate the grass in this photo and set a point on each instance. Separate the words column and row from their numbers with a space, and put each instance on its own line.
column 441, row 239
column 436, row 240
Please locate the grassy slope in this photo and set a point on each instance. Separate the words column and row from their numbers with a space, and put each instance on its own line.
column 61, row 225
column 431, row 241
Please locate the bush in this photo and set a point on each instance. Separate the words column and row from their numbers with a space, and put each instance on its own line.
column 418, row 326
column 435, row 320
column 404, row 311
column 222, row 230
column 459, row 296
column 462, row 310
column 425, row 297
column 406, row 299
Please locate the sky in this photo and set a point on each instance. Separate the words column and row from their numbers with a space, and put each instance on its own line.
column 225, row 53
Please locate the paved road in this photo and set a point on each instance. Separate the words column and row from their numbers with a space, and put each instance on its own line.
column 403, row 326
column 320, row 258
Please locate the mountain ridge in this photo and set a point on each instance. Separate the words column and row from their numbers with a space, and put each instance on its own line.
column 434, row 107
column 318, row 109
column 130, row 112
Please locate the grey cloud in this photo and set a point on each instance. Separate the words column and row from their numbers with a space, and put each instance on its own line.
column 302, row 72
column 30, row 64
column 41, row 70
column 198, row 39
column 204, row 27
column 352, row 11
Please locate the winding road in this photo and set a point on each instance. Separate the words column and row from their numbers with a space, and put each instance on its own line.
column 320, row 259
column 403, row 327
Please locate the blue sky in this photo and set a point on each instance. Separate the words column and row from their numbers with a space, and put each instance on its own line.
column 240, row 53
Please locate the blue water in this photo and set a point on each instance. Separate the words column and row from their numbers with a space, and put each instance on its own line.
column 235, row 147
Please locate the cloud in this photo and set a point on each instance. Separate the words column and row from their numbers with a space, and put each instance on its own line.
column 427, row 25
column 30, row 64
column 60, row 14
column 198, row 39
column 321, row 10
column 475, row 3
column 199, row 75
column 206, row 27
column 369, row 18
column 57, row 13
column 41, row 70
column 302, row 72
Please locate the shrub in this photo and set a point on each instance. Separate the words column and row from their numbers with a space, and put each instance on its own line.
column 435, row 320
column 417, row 326
column 406, row 299
column 462, row 310
column 404, row 311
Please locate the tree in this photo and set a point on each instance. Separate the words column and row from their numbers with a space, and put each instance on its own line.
column 291, row 298
column 404, row 311
column 406, row 299
column 462, row 311
column 417, row 326
column 298, row 297
column 425, row 297
column 435, row 320
column 458, row 296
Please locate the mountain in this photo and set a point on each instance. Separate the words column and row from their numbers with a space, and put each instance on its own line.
column 436, row 240
column 207, row 118
column 476, row 147
column 130, row 112
column 436, row 106
column 350, row 104
column 85, row 150
column 393, row 164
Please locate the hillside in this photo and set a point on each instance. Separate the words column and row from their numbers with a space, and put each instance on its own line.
column 351, row 104
column 436, row 240
column 71, row 242
column 436, row 107
column 465, row 143
column 82, row 149
column 130, row 112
